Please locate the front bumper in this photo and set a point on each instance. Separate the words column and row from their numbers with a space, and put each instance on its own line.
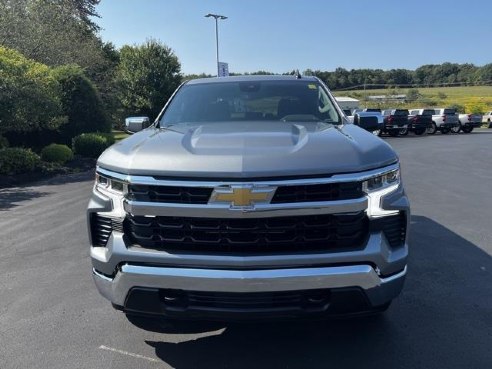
column 126, row 289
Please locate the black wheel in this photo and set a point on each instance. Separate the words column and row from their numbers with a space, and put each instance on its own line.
column 432, row 129
column 444, row 131
column 456, row 129
column 467, row 129
column 403, row 132
column 394, row 132
column 419, row 131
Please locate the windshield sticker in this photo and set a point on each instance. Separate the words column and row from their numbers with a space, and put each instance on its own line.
column 312, row 86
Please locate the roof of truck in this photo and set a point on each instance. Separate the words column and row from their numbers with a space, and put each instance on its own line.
column 251, row 78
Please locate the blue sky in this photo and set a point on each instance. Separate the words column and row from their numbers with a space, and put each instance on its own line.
column 280, row 36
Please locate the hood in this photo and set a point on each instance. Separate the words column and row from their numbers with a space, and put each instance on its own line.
column 248, row 150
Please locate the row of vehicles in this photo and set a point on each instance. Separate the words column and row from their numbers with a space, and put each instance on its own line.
column 398, row 122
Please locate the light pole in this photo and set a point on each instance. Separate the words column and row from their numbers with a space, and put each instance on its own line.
column 217, row 17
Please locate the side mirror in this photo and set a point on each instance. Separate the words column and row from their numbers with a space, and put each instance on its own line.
column 136, row 124
column 368, row 122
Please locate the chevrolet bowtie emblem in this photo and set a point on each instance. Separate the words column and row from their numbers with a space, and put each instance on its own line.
column 243, row 196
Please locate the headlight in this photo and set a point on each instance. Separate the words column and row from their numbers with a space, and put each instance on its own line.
column 383, row 181
column 107, row 184
column 379, row 186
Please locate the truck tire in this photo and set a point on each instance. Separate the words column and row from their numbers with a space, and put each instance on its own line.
column 432, row 129
column 444, row 131
column 419, row 131
column 467, row 129
column 457, row 129
column 403, row 132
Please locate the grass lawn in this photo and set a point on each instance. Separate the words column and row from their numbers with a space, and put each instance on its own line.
column 469, row 97
column 119, row 135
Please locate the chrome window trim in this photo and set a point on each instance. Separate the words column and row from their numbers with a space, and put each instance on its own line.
column 336, row 178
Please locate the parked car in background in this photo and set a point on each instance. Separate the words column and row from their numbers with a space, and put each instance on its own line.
column 419, row 120
column 368, row 112
column 468, row 122
column 487, row 118
column 443, row 120
column 394, row 120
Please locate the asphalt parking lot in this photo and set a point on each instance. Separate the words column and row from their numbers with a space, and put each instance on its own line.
column 51, row 315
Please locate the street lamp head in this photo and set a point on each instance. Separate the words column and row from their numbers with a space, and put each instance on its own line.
column 216, row 16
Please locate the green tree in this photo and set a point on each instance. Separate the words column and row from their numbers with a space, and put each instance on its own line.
column 146, row 77
column 81, row 104
column 53, row 32
column 29, row 95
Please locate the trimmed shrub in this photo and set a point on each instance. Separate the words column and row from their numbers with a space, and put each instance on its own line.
column 91, row 145
column 16, row 160
column 56, row 153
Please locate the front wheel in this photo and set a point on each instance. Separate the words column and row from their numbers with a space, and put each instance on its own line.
column 419, row 131
column 432, row 129
column 467, row 129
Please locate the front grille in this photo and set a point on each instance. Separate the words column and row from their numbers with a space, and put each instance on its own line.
column 283, row 194
column 319, row 192
column 169, row 194
column 323, row 233
column 101, row 228
column 394, row 228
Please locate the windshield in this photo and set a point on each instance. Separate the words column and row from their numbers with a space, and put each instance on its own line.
column 293, row 101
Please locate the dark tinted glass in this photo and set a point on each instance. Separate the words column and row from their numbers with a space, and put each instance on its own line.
column 401, row 112
column 250, row 101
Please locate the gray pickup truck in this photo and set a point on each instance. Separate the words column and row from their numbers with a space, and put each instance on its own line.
column 249, row 197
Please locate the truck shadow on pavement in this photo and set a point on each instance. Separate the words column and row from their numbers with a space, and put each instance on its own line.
column 441, row 320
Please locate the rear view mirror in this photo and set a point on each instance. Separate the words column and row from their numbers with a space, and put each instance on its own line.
column 136, row 124
column 368, row 122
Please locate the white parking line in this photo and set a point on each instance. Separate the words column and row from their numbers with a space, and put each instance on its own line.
column 137, row 356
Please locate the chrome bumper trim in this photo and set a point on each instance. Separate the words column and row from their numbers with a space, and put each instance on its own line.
column 130, row 276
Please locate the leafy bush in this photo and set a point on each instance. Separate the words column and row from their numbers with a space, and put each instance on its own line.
column 4, row 143
column 91, row 144
column 16, row 160
column 30, row 95
column 56, row 153
column 81, row 103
